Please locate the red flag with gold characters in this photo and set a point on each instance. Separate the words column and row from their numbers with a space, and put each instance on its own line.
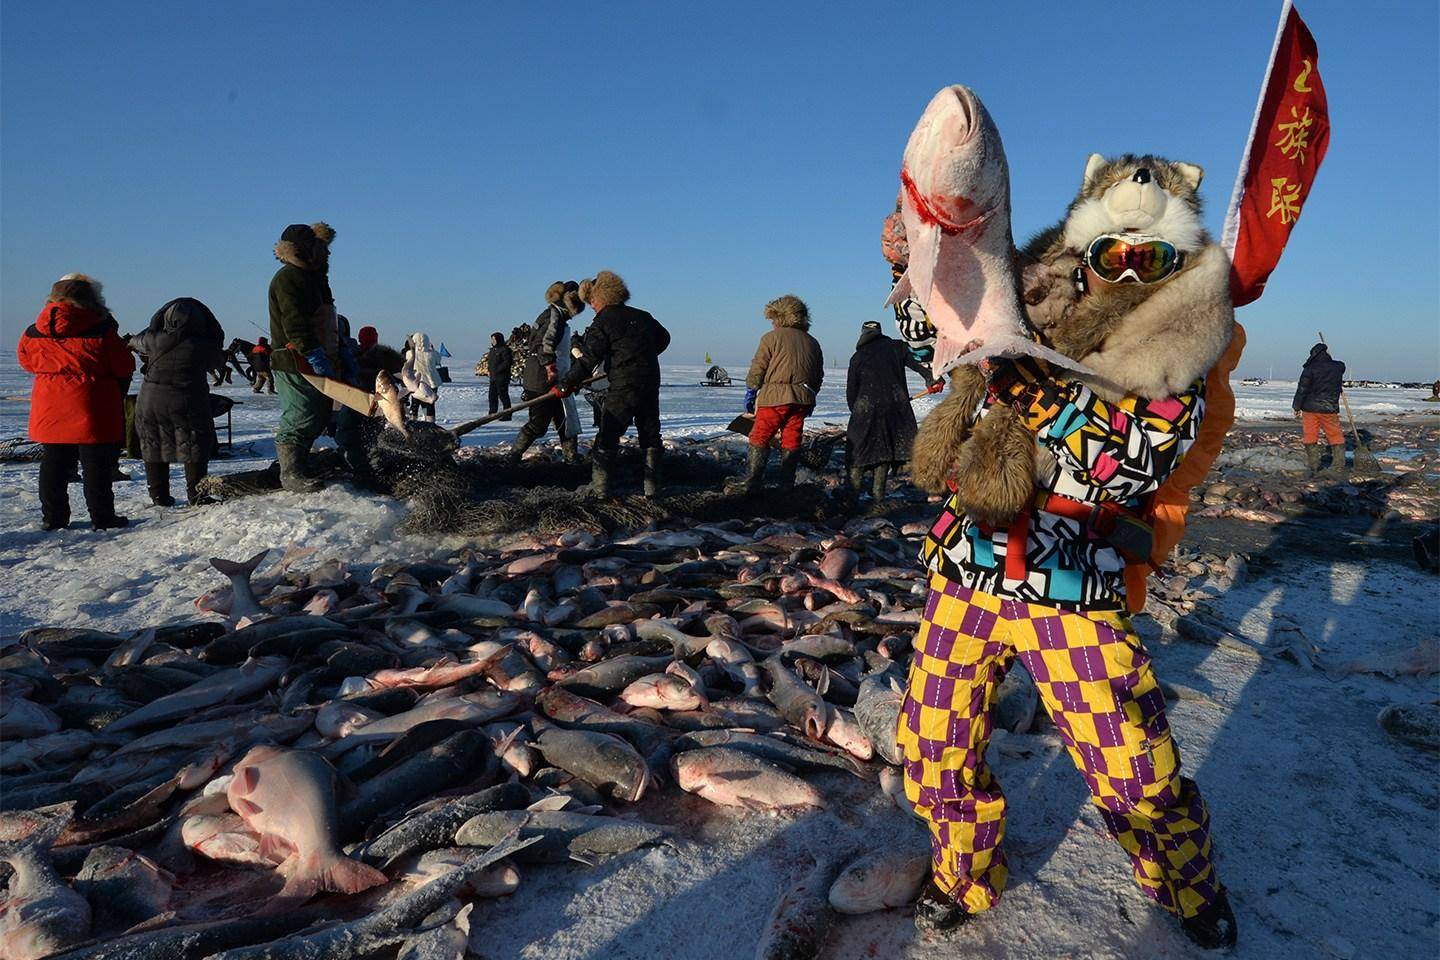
column 1287, row 142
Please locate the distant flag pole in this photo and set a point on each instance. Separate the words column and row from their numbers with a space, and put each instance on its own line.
column 1288, row 139
column 707, row 358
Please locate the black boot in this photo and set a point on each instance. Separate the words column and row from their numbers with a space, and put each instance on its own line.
column 1312, row 458
column 877, row 485
column 361, row 473
column 789, row 461
column 857, row 480
column 652, row 472
column 293, row 474
column 570, row 449
column 755, row 471
column 600, row 464
column 523, row 440
column 194, row 473
column 935, row 911
column 157, row 480
column 1214, row 927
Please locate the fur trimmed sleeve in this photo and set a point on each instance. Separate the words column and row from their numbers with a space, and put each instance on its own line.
column 1126, row 448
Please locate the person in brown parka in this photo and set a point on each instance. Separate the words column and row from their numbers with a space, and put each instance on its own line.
column 783, row 381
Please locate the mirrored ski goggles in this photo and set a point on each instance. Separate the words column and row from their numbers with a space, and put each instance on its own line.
column 1118, row 257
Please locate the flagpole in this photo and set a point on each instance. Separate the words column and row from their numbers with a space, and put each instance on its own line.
column 1232, row 215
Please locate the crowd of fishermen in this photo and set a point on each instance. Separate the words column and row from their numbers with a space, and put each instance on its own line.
column 83, row 369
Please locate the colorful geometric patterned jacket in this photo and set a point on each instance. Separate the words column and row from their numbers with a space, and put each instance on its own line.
column 1104, row 453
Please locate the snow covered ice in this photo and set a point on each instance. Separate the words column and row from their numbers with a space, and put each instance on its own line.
column 1325, row 827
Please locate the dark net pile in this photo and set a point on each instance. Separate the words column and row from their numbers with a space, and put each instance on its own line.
column 478, row 492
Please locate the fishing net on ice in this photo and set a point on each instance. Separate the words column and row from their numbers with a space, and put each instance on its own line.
column 475, row 491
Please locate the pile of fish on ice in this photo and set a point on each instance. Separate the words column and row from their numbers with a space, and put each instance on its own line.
column 403, row 737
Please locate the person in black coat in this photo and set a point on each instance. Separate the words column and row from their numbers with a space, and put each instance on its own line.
column 882, row 423
column 628, row 343
column 182, row 345
column 1317, row 407
column 499, row 361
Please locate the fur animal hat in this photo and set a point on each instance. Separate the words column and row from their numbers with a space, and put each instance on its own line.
column 788, row 311
column 1149, row 339
column 606, row 290
column 77, row 288
column 565, row 294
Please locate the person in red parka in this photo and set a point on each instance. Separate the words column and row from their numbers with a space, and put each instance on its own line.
column 77, row 408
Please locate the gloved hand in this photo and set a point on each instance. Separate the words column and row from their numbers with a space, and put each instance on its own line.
column 750, row 396
column 319, row 363
column 560, row 391
column 1012, row 380
column 937, row 387
column 550, row 375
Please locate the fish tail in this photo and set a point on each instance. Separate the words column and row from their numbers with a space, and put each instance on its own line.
column 29, row 831
column 343, row 875
column 243, row 568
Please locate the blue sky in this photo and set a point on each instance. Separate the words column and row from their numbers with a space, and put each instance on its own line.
column 716, row 155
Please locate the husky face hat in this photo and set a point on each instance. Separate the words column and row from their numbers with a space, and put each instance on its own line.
column 1138, row 194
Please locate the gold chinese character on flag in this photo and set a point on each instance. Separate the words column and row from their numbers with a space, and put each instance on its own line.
column 1295, row 135
column 1284, row 199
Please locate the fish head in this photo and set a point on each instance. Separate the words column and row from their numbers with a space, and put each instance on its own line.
column 955, row 206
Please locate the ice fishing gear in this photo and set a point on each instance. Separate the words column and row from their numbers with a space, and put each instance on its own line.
column 470, row 425
column 1365, row 461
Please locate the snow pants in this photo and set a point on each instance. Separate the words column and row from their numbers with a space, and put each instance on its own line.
column 788, row 418
column 1314, row 424
column 305, row 413
column 1096, row 682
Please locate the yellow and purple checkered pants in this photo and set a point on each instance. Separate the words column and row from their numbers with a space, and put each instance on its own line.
column 1095, row 679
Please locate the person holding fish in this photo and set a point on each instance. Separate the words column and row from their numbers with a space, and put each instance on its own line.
column 784, row 379
column 1049, row 454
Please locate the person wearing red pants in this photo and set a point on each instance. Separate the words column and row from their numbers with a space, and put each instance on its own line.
column 784, row 378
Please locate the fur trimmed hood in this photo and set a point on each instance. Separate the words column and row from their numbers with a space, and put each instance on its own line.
column 306, row 246
column 1162, row 345
column 788, row 311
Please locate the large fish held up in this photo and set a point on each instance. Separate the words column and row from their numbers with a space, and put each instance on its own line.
column 955, row 203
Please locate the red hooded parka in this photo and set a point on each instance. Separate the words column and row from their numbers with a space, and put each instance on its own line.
column 80, row 363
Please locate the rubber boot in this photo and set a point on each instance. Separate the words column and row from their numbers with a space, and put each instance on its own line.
column 935, row 911
column 877, row 485
column 857, row 480
column 157, row 480
column 1312, row 458
column 358, row 461
column 1214, row 927
column 293, row 476
column 194, row 473
column 755, row 470
column 789, row 462
column 1337, row 461
column 570, row 449
column 523, row 440
column 652, row 472
column 600, row 464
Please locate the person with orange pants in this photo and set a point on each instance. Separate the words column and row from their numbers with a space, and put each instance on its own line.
column 784, row 378
column 1048, row 589
column 1317, row 407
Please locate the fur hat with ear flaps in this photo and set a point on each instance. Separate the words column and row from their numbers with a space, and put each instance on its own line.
column 565, row 294
column 605, row 290
column 788, row 311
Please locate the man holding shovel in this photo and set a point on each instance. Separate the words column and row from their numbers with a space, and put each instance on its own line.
column 1317, row 407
